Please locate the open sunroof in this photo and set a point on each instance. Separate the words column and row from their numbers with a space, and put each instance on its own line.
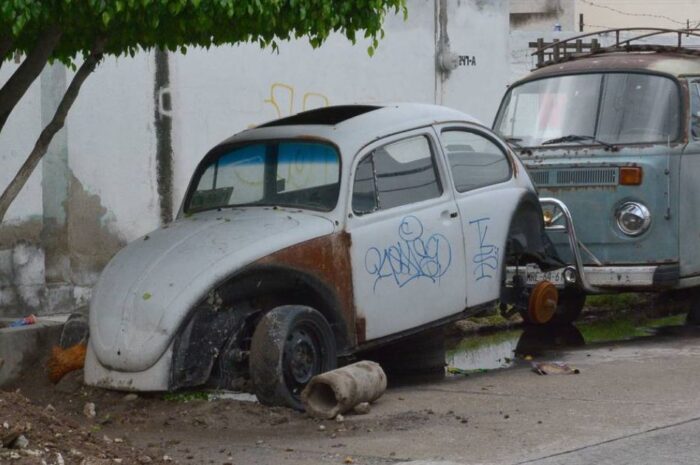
column 327, row 115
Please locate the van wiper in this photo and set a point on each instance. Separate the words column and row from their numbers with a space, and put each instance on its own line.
column 514, row 141
column 578, row 138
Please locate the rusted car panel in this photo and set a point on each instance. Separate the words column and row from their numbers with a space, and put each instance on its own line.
column 328, row 259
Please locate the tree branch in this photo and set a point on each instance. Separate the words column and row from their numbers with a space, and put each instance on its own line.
column 28, row 71
column 6, row 44
column 55, row 125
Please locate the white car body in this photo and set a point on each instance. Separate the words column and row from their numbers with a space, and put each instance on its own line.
column 391, row 272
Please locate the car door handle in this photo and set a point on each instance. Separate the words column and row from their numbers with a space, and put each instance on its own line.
column 447, row 213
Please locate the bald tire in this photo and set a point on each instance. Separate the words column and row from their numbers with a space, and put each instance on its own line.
column 276, row 335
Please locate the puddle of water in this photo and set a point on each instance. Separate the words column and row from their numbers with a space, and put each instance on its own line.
column 232, row 395
column 484, row 352
column 498, row 350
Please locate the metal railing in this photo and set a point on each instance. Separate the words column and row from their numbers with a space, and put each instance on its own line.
column 574, row 244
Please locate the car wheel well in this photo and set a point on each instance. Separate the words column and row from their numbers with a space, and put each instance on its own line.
column 268, row 287
column 526, row 240
column 220, row 328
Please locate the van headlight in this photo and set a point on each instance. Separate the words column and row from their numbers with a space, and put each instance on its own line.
column 633, row 218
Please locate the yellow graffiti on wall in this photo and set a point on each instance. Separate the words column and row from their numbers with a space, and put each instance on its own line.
column 282, row 99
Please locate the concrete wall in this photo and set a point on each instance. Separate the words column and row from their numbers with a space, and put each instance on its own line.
column 542, row 15
column 140, row 126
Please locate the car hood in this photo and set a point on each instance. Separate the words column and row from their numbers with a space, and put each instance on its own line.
column 149, row 287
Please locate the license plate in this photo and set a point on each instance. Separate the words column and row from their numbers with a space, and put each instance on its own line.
column 534, row 275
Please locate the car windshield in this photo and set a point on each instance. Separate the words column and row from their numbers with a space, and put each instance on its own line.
column 279, row 173
column 611, row 108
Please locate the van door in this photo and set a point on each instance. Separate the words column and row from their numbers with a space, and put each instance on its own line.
column 407, row 248
column 688, row 212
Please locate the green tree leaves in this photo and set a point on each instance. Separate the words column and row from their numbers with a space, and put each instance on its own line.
column 131, row 25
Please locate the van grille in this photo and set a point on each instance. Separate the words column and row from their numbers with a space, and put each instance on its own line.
column 574, row 177
column 540, row 177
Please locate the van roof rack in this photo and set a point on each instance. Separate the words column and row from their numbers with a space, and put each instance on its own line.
column 557, row 51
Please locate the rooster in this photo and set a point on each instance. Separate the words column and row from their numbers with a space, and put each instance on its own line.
column 63, row 361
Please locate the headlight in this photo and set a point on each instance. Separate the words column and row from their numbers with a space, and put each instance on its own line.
column 548, row 217
column 633, row 218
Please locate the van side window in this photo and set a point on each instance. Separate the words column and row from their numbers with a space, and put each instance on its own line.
column 396, row 174
column 695, row 109
column 475, row 160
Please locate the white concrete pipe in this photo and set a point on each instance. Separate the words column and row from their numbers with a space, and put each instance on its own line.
column 339, row 390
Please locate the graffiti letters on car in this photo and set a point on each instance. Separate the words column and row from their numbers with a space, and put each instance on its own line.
column 413, row 256
column 486, row 257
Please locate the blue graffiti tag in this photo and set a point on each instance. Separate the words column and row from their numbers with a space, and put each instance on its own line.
column 411, row 257
column 486, row 258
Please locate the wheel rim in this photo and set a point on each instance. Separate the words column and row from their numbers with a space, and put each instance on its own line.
column 303, row 357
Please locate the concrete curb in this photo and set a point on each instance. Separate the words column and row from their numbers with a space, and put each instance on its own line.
column 27, row 347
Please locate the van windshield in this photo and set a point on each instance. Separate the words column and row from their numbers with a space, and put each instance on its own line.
column 271, row 173
column 615, row 108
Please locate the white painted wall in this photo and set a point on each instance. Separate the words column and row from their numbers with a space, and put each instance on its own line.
column 111, row 143
column 478, row 31
column 16, row 141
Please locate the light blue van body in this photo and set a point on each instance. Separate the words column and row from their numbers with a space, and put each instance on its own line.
column 643, row 110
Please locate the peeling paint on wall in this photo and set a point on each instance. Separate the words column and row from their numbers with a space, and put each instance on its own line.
column 91, row 243
column 12, row 234
column 22, row 282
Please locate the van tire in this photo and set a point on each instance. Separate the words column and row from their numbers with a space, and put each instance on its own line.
column 569, row 308
column 693, row 316
column 291, row 344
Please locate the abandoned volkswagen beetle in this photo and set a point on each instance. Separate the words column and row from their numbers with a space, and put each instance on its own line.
column 313, row 238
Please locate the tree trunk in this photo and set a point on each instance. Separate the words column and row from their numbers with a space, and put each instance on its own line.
column 31, row 67
column 42, row 143
column 6, row 44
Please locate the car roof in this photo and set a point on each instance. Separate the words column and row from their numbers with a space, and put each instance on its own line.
column 351, row 127
column 674, row 64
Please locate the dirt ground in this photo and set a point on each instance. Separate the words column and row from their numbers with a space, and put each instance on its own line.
column 58, row 423
column 39, row 433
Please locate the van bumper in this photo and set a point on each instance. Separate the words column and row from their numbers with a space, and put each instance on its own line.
column 609, row 278
column 650, row 277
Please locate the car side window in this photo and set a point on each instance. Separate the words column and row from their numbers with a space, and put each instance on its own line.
column 396, row 174
column 475, row 160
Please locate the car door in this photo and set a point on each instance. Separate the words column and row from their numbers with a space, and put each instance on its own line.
column 486, row 197
column 407, row 246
